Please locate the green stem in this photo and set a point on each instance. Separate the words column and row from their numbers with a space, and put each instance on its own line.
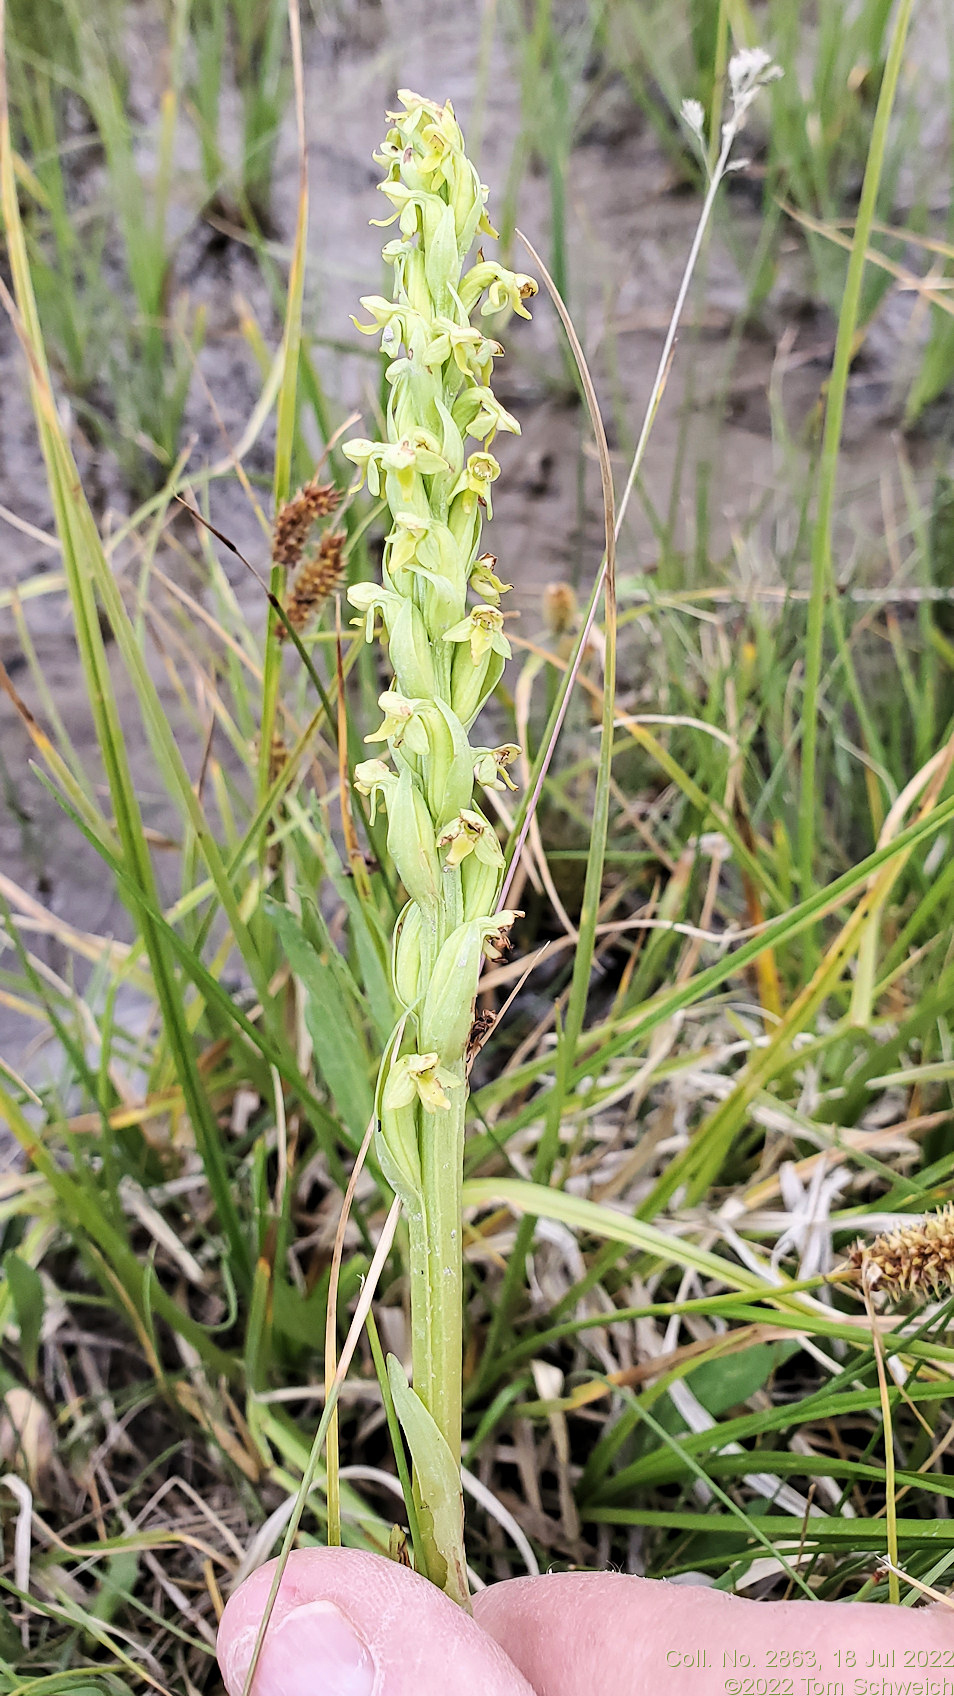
column 437, row 1268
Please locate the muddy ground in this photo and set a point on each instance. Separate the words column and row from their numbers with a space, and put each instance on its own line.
column 629, row 228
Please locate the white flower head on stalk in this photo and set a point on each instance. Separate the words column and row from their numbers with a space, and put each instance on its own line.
column 749, row 71
column 694, row 118
column 438, row 611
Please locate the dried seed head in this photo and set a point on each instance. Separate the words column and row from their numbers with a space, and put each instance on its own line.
column 295, row 519
column 915, row 1259
column 318, row 577
column 559, row 608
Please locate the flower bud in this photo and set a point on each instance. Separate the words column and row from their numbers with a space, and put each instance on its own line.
column 406, row 956
column 411, row 842
column 448, row 765
column 410, row 652
column 471, row 685
column 397, row 1146
column 448, row 1010
column 480, row 882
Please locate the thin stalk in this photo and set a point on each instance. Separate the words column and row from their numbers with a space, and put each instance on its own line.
column 743, row 94
column 890, row 1479
column 529, row 802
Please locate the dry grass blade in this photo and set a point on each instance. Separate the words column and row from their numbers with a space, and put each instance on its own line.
column 606, row 575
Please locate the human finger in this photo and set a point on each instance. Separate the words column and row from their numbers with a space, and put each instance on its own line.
column 575, row 1632
column 347, row 1623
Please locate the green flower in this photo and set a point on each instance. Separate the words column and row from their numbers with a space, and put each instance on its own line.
column 479, row 413
column 414, row 455
column 469, row 833
column 483, row 629
column 369, row 599
column 419, row 1077
column 401, row 723
column 484, row 579
column 405, row 538
column 472, row 488
column 375, row 779
column 504, row 288
column 366, row 456
column 490, row 766
column 473, row 354
column 390, row 321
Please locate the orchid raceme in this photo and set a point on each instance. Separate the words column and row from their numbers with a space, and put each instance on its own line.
column 438, row 610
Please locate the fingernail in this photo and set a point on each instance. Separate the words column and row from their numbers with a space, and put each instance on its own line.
column 315, row 1651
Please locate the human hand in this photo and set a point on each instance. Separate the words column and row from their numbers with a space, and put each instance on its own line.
column 353, row 1624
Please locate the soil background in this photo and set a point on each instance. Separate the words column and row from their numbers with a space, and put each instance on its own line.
column 630, row 223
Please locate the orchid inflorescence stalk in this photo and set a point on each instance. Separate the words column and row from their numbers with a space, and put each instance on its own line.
column 447, row 656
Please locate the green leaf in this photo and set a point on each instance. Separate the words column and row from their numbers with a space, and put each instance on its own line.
column 117, row 1584
column 334, row 1012
column 301, row 1318
column 600, row 1221
column 26, row 1292
column 373, row 949
column 11, row 1647
column 437, row 1488
column 733, row 1378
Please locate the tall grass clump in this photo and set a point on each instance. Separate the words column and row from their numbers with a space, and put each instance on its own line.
column 242, row 43
column 120, row 330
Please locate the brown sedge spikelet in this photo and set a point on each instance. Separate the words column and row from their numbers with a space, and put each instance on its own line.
column 277, row 756
column 915, row 1259
column 295, row 519
column 318, row 577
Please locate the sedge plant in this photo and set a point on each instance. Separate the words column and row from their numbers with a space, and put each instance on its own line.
column 439, row 611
